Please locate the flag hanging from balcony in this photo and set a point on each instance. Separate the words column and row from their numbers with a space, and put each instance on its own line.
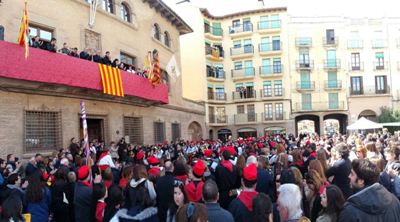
column 155, row 77
column 111, row 80
column 24, row 30
column 148, row 66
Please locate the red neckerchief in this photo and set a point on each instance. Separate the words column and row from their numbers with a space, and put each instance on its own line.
column 154, row 171
column 87, row 184
column 182, row 178
column 246, row 197
column 299, row 163
column 314, row 154
column 123, row 182
column 194, row 192
column 227, row 164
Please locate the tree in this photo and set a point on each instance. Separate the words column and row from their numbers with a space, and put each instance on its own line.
column 389, row 115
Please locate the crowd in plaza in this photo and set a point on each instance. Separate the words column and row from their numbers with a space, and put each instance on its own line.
column 272, row 178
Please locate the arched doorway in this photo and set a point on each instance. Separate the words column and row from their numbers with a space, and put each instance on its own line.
column 368, row 114
column 211, row 134
column 307, row 124
column 335, row 123
column 247, row 132
column 273, row 130
column 224, row 134
column 195, row 132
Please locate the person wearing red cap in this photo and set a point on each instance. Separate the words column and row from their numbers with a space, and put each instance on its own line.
column 83, row 196
column 194, row 188
column 242, row 207
column 105, row 160
column 154, row 164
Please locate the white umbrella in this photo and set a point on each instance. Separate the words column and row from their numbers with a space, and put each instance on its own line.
column 363, row 124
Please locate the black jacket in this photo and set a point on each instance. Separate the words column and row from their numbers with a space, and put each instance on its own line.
column 226, row 181
column 218, row 214
column 62, row 209
column 106, row 60
column 97, row 58
column 165, row 194
column 372, row 204
column 85, row 55
column 341, row 171
column 264, row 181
column 83, row 203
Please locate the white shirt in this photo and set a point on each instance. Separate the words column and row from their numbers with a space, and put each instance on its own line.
column 107, row 160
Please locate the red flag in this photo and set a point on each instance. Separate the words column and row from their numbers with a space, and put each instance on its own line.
column 24, row 30
column 156, row 75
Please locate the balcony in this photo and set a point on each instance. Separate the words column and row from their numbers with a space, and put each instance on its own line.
column 246, row 51
column 333, row 85
column 370, row 91
column 55, row 74
column 245, row 118
column 330, row 42
column 319, row 106
column 243, row 73
column 355, row 44
column 218, row 120
column 270, row 71
column 380, row 66
column 269, row 117
column 332, row 64
column 244, row 96
column 379, row 43
column 304, row 65
column 305, row 86
column 214, row 33
column 217, row 96
column 273, row 26
column 355, row 67
column 272, row 93
column 274, row 48
column 214, row 53
column 303, row 42
column 215, row 74
column 241, row 30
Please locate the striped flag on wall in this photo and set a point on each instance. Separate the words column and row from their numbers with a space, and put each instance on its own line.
column 111, row 80
column 24, row 30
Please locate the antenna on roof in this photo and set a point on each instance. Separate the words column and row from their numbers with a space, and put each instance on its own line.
column 183, row 1
column 262, row 1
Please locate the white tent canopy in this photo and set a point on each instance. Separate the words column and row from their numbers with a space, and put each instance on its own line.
column 363, row 124
column 391, row 124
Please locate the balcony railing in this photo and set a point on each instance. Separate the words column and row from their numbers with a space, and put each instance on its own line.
column 356, row 66
column 218, row 119
column 304, row 65
column 380, row 66
column 246, row 27
column 217, row 96
column 272, row 92
column 330, row 42
column 303, row 42
column 305, row 85
column 273, row 116
column 269, row 25
column 355, row 44
column 245, row 118
column 216, row 31
column 216, row 73
column 244, row 95
column 247, row 49
column 332, row 64
column 271, row 70
column 270, row 47
column 379, row 43
column 246, row 72
column 369, row 90
column 215, row 52
column 319, row 106
column 333, row 84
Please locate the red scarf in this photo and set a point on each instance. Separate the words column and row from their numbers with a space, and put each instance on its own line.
column 227, row 164
column 123, row 182
column 194, row 193
column 154, row 171
column 87, row 183
column 246, row 197
column 182, row 178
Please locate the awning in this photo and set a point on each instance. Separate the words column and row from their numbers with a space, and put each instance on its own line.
column 224, row 131
column 274, row 128
column 391, row 124
column 245, row 130
column 363, row 124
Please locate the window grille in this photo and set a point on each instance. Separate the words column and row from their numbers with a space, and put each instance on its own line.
column 133, row 127
column 159, row 132
column 176, row 131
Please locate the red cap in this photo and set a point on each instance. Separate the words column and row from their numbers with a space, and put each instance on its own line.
column 140, row 155
column 104, row 167
column 199, row 168
column 208, row 153
column 231, row 150
column 260, row 145
column 45, row 176
column 152, row 160
column 165, row 142
column 83, row 172
column 250, row 172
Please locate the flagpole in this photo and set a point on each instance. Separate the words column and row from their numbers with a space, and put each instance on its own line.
column 85, row 134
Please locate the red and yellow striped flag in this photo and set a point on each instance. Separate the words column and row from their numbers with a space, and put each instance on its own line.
column 155, row 78
column 111, row 80
column 24, row 30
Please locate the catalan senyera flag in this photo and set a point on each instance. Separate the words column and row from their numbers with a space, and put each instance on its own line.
column 24, row 30
column 148, row 66
column 156, row 75
column 111, row 80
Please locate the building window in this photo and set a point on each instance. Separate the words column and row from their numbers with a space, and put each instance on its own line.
column 355, row 61
column 356, row 85
column 268, row 111
column 133, row 127
column 278, row 87
column 165, row 78
column 108, row 6
column 167, row 39
column 279, row 111
column 380, row 60
column 45, row 35
column 306, row 102
column 127, row 59
column 125, row 12
column 221, row 115
column 333, row 99
column 380, row 84
column 43, row 130
column 157, row 32
column 211, row 114
column 176, row 131
column 267, row 89
column 159, row 132
column 240, row 109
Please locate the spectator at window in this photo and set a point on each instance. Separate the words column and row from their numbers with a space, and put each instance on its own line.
column 85, row 55
column 106, row 59
column 36, row 43
column 74, row 52
column 64, row 49
column 96, row 57
column 122, row 66
column 52, row 47
column 115, row 63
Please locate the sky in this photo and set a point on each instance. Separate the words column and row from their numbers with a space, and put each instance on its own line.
column 347, row 8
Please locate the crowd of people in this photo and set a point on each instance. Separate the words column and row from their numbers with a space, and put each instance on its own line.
column 272, row 178
column 87, row 54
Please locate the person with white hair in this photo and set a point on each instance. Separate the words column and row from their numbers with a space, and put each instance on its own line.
column 64, row 162
column 289, row 202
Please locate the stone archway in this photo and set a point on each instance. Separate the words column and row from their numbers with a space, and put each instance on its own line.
column 307, row 118
column 341, row 121
column 368, row 114
column 195, row 131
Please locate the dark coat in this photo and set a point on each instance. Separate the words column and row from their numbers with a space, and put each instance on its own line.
column 106, row 60
column 165, row 194
column 372, row 204
column 85, row 55
column 51, row 48
column 62, row 211
column 217, row 214
column 226, row 181
column 265, row 181
column 239, row 211
column 83, row 203
column 40, row 210
column 97, row 58
column 341, row 170
column 30, row 169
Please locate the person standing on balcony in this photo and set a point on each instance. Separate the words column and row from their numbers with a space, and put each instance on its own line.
column 106, row 59
column 96, row 57
column 85, row 55
column 52, row 47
